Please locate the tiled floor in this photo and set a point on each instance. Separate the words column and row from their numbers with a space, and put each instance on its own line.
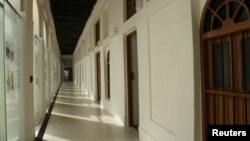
column 76, row 118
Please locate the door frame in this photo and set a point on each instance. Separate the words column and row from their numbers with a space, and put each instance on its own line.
column 98, row 76
column 128, row 88
column 107, row 95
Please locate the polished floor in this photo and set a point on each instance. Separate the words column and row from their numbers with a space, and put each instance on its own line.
column 75, row 117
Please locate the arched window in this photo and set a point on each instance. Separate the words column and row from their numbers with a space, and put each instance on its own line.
column 222, row 13
column 225, row 58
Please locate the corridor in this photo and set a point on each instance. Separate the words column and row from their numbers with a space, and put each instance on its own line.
column 75, row 117
column 148, row 70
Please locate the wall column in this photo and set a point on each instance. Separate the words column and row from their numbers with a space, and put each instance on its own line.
column 27, row 121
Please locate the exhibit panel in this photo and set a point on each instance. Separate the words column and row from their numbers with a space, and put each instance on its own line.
column 13, row 66
column 37, row 99
column 46, row 54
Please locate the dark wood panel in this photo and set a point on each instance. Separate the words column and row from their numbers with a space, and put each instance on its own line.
column 227, row 30
column 227, row 93
column 237, row 53
column 219, row 110
column 225, row 59
column 227, row 63
column 246, row 47
column 210, row 109
column 239, row 111
column 229, row 110
column 209, row 66
column 248, row 111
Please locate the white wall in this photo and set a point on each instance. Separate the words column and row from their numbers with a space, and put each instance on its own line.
column 168, row 101
column 168, row 64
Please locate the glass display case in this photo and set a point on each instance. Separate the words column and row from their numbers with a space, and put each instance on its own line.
column 46, row 74
column 13, row 48
column 36, row 58
column 2, row 92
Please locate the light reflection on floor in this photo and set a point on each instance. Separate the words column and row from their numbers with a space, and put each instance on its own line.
column 76, row 117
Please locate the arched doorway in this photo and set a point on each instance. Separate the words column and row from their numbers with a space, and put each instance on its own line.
column 225, row 61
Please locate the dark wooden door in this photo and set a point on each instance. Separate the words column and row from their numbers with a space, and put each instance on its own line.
column 225, row 60
column 98, row 77
column 227, row 79
column 132, row 80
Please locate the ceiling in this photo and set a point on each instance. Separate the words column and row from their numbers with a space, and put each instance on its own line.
column 70, row 17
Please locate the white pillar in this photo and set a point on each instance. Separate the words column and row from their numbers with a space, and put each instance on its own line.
column 27, row 121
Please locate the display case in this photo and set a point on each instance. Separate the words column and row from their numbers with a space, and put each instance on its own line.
column 2, row 92
column 13, row 66
column 36, row 58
